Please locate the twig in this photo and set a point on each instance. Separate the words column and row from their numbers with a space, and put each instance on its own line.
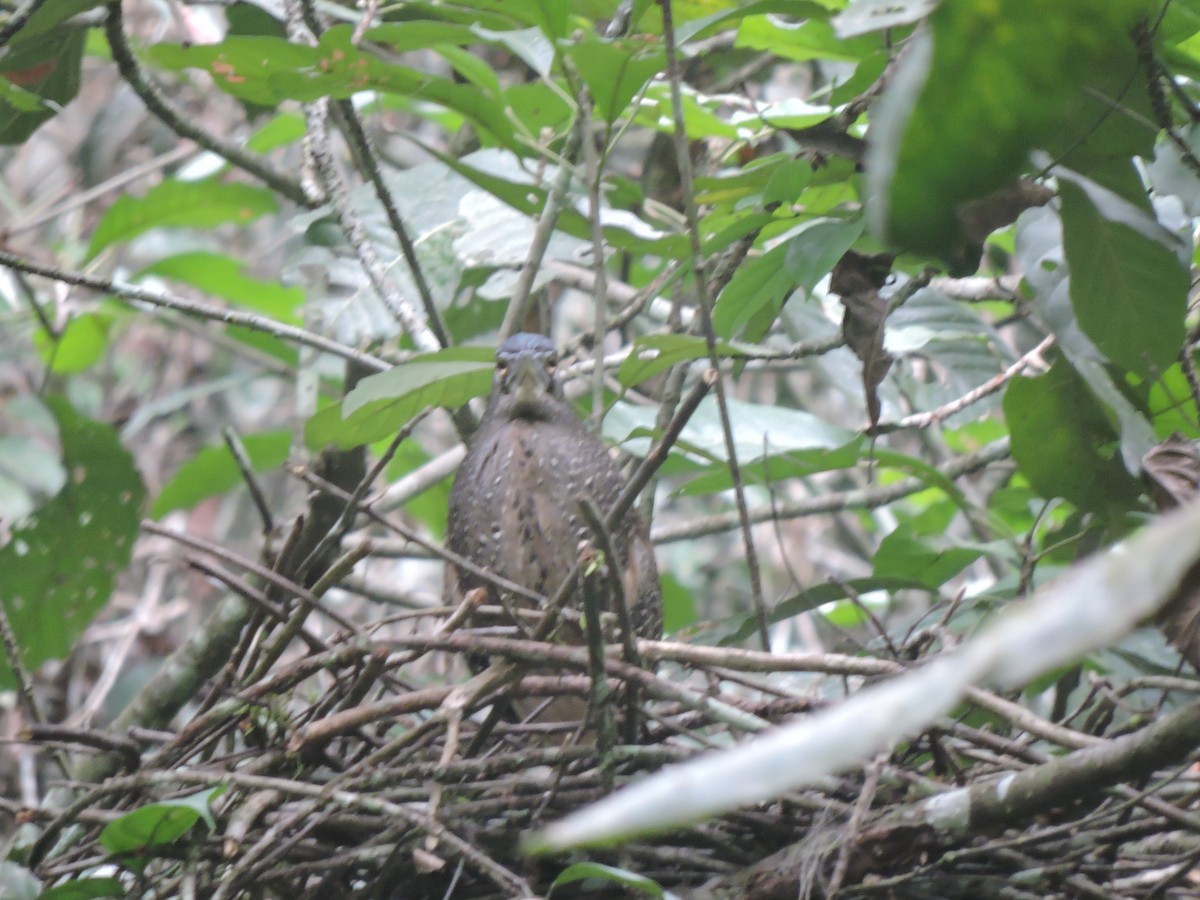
column 599, row 709
column 350, row 506
column 12, row 653
column 17, row 20
column 414, row 323
column 366, row 156
column 991, row 386
column 76, row 199
column 257, row 569
column 126, row 748
column 518, row 306
column 683, row 158
column 863, row 498
column 854, row 827
column 114, row 30
column 131, row 293
column 234, row 442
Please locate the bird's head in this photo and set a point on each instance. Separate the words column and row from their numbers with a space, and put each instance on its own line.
column 525, row 384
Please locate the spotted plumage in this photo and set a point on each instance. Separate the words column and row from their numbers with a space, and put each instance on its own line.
column 514, row 508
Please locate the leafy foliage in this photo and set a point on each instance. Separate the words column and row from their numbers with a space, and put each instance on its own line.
column 941, row 255
column 61, row 565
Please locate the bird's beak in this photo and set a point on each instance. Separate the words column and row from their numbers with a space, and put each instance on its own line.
column 530, row 380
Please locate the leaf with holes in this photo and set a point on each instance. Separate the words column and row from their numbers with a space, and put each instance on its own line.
column 59, row 568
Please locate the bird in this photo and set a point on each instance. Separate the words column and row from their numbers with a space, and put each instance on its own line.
column 514, row 509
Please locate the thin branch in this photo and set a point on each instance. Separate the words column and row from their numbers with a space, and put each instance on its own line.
column 132, row 294
column 114, row 30
column 234, row 442
column 12, row 653
column 365, row 154
column 318, row 144
column 683, row 158
column 518, row 306
column 989, row 387
column 863, row 498
column 18, row 20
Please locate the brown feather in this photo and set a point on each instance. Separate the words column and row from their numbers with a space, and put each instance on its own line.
column 514, row 509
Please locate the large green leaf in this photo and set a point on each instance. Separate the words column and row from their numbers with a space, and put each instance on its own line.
column 267, row 70
column 1039, row 247
column 180, row 204
column 974, row 94
column 597, row 872
column 156, row 824
column 902, row 554
column 1129, row 286
column 1065, row 445
column 80, row 345
column 59, row 568
column 813, row 39
column 382, row 403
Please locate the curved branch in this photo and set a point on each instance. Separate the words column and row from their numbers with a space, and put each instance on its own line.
column 158, row 105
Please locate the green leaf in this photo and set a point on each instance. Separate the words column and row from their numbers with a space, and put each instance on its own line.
column 214, row 471
column 614, row 71
column 1129, row 287
column 1065, row 445
column 268, row 70
column 861, row 16
column 84, row 889
column 59, row 567
column 903, row 555
column 813, row 39
column 382, row 403
column 755, row 295
column 655, row 353
column 180, row 204
column 282, row 129
column 679, row 607
column 216, row 274
column 80, row 346
column 598, row 872
column 48, row 68
column 974, row 94
column 156, row 824
column 1039, row 248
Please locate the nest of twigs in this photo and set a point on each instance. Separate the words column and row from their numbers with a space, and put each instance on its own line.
column 355, row 769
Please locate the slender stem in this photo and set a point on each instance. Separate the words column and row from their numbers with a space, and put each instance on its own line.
column 158, row 105
column 370, row 164
column 131, row 293
column 683, row 158
column 518, row 306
